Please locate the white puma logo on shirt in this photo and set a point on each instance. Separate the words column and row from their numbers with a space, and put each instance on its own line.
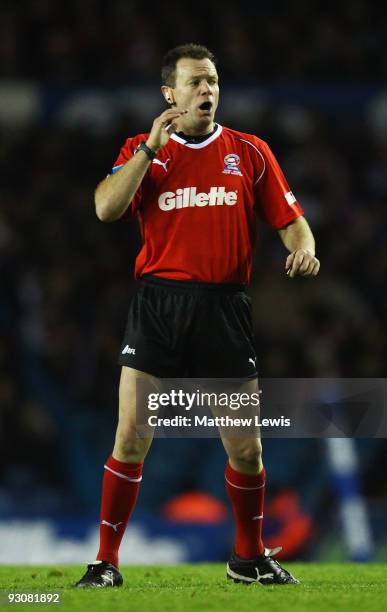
column 163, row 164
column 114, row 526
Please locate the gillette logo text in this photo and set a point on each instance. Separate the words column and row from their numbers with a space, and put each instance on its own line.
column 187, row 197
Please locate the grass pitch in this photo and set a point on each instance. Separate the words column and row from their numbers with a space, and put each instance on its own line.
column 325, row 587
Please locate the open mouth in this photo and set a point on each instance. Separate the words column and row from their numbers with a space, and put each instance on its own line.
column 206, row 106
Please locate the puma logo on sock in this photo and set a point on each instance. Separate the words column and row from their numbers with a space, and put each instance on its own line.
column 114, row 526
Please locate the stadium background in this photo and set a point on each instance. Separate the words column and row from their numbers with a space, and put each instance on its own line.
column 78, row 77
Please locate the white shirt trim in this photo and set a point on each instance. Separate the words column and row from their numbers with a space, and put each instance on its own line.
column 259, row 153
column 199, row 145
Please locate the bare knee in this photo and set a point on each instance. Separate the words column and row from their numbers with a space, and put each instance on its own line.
column 128, row 447
column 246, row 457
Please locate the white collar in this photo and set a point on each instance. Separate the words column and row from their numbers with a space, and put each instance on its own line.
column 198, row 145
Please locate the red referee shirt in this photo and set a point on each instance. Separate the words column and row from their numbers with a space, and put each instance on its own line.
column 198, row 205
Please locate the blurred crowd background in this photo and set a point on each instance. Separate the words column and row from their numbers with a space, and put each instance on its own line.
column 73, row 41
column 76, row 79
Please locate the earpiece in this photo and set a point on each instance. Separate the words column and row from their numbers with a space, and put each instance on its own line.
column 168, row 95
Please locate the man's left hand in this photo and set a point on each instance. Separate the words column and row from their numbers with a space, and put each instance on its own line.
column 303, row 263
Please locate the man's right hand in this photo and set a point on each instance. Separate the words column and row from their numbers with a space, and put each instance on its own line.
column 115, row 193
column 162, row 128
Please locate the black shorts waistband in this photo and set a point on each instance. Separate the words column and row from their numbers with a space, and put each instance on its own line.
column 158, row 281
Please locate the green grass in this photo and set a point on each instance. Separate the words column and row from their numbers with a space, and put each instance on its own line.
column 325, row 587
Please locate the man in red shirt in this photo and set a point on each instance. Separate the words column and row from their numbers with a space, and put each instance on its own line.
column 197, row 189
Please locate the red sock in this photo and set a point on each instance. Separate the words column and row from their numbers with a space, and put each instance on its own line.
column 246, row 493
column 120, row 487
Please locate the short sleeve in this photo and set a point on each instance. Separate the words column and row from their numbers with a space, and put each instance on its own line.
column 275, row 203
column 127, row 151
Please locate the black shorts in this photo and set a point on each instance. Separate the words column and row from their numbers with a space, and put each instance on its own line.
column 184, row 329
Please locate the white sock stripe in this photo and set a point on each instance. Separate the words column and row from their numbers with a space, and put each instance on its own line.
column 245, row 488
column 122, row 475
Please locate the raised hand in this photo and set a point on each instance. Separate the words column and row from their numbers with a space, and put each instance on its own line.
column 162, row 128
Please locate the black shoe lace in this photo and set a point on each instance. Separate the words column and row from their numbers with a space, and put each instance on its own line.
column 276, row 567
column 92, row 569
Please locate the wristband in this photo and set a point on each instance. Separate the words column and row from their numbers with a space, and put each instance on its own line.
column 149, row 152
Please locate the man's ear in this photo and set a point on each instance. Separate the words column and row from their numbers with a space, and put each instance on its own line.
column 168, row 94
